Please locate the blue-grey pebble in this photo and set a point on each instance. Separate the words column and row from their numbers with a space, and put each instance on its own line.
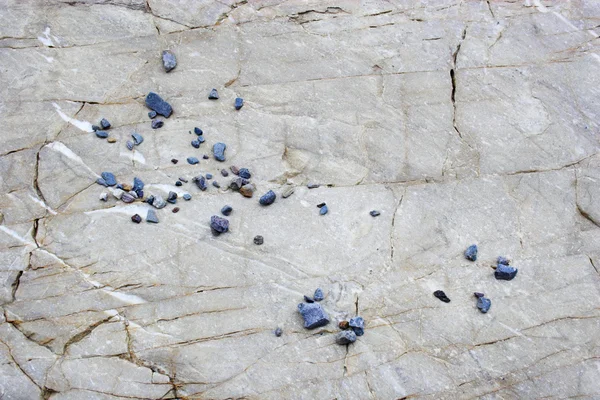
column 244, row 173
column 137, row 184
column 226, row 210
column 219, row 151
column 137, row 138
column 267, row 198
column 318, row 296
column 345, row 337
column 109, row 178
column 219, row 224
column 102, row 134
column 213, row 95
column 313, row 314
column 239, row 103
column 209, row 176
column 187, row 196
column 152, row 217
column 169, row 60
column 156, row 103
column 484, row 304
column 504, row 272
column 324, row 210
column 152, row 114
column 198, row 131
column 471, row 253
column 358, row 325
column 192, row 160
column 104, row 123
column 195, row 144
column 129, row 145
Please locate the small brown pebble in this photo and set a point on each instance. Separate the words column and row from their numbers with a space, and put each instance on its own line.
column 344, row 325
column 127, row 187
column 111, row 140
column 136, row 218
column 176, row 210
column 247, row 190
column 174, row 160
column 234, row 169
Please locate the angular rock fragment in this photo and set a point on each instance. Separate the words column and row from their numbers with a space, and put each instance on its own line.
column 213, row 95
column 267, row 198
column 192, row 160
column 127, row 198
column 200, row 182
column 345, row 337
column 287, row 192
column 129, row 144
column 187, row 196
column 503, row 260
column 174, row 160
column 504, row 272
column 358, row 325
column 247, row 190
column 138, row 184
column 318, row 296
column 313, row 185
column 157, row 124
column 102, row 134
column 195, row 144
column 219, row 151
column 103, row 196
column 258, row 240
column 152, row 114
column 159, row 202
column 239, row 103
column 169, row 61
column 205, row 157
column 234, row 170
column 172, row 197
column 104, row 124
column 117, row 194
column 178, row 183
column 209, row 176
column 109, row 178
column 137, row 138
column 150, row 200
column 374, row 213
column 226, row 210
column 471, row 253
column 244, row 173
column 478, row 294
column 152, row 217
column 136, row 218
column 441, row 295
column 218, row 224
column 483, row 304
column 156, row 103
column 95, row 128
column 313, row 314
column 308, row 299
column 237, row 183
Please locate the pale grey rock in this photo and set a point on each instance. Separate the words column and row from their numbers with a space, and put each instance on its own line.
column 504, row 155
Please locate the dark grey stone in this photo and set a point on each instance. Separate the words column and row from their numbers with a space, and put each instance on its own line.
column 102, row 134
column 156, row 103
column 484, row 304
column 104, row 123
column 504, row 272
column 101, row 181
column 172, row 197
column 267, row 198
column 471, row 253
column 218, row 224
column 200, row 182
column 157, row 124
column 313, row 314
column 209, row 176
column 109, row 178
column 358, row 325
column 178, row 183
column 224, row 172
column 128, row 198
column 152, row 114
column 258, row 240
column 195, row 144
column 239, row 103
column 198, row 131
column 138, row 184
column 226, row 210
column 192, row 160
column 503, row 260
column 278, row 332
column 345, row 337
column 374, row 213
column 216, row 184
column 213, row 95
column 244, row 173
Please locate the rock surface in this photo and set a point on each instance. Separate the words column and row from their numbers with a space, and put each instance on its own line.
column 460, row 121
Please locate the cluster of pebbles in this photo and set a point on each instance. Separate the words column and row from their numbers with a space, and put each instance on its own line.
column 503, row 271
column 315, row 317
column 312, row 312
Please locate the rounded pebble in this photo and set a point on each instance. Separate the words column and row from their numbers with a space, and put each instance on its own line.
column 239, row 103
column 192, row 160
column 175, row 210
column 169, row 60
column 268, row 198
column 374, row 213
column 258, row 240
column 157, row 124
column 102, row 134
column 136, row 218
column 198, row 131
column 178, row 183
column 323, row 210
column 278, row 332
column 345, row 337
column 226, row 210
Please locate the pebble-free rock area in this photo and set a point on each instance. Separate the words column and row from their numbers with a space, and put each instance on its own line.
column 424, row 127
